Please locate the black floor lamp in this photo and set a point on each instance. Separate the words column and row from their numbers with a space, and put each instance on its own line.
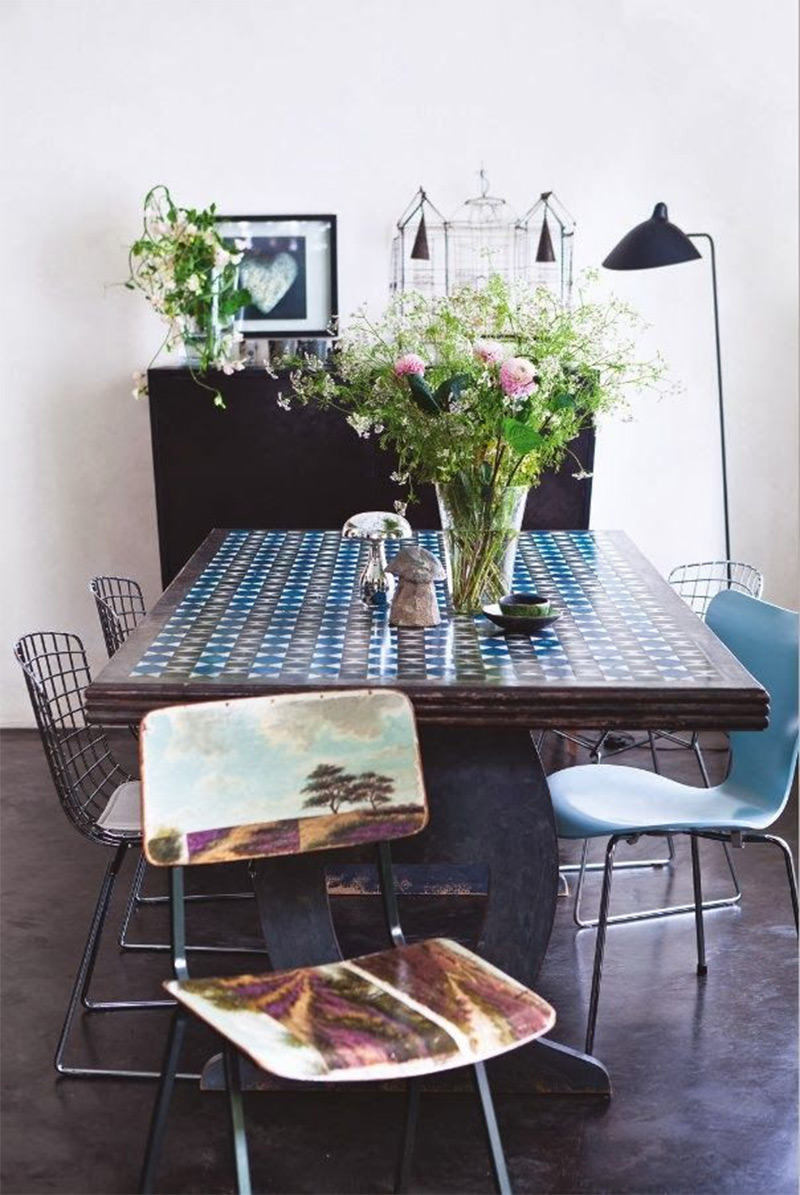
column 657, row 242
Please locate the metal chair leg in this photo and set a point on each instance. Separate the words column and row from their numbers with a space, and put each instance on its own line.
column 136, row 900
column 233, row 1085
column 81, row 985
column 785, row 850
column 697, row 883
column 721, row 902
column 406, row 1155
column 158, row 1120
column 651, row 739
column 600, row 944
column 87, row 959
column 698, row 754
column 499, row 1169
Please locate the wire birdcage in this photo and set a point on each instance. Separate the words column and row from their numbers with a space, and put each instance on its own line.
column 543, row 246
column 420, row 249
column 480, row 240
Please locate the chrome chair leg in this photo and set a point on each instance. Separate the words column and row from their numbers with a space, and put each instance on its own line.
column 502, row 1184
column 719, row 902
column 697, row 885
column 600, row 943
column 238, row 1130
column 166, row 1081
column 406, row 1155
column 783, row 847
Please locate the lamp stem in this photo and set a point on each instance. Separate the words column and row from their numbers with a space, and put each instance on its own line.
column 707, row 237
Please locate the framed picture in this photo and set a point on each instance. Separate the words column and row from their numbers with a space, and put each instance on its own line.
column 289, row 268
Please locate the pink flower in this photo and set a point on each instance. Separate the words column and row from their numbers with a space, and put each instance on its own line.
column 489, row 351
column 409, row 363
column 517, row 377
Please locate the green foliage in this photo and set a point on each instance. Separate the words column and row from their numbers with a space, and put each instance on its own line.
column 459, row 417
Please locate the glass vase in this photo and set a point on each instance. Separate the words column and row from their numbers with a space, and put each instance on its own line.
column 205, row 338
column 480, row 525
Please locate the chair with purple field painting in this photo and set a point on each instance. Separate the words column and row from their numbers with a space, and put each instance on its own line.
column 299, row 777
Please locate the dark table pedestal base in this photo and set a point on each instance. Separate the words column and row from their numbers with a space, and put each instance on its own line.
column 490, row 815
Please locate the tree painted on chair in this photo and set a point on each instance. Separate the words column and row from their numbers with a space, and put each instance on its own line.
column 328, row 785
column 372, row 787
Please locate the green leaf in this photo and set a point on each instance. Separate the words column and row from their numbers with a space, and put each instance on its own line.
column 422, row 394
column 520, row 437
column 564, row 399
column 451, row 388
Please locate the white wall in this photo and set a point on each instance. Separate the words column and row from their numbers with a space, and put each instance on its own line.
column 347, row 107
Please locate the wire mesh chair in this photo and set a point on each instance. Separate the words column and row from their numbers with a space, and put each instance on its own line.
column 120, row 606
column 698, row 583
column 97, row 795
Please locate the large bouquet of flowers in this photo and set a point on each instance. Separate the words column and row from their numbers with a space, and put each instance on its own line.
column 480, row 393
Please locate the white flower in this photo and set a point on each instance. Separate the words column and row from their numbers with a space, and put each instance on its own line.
column 400, row 507
column 361, row 425
column 284, row 403
column 195, row 284
column 400, row 478
column 230, row 367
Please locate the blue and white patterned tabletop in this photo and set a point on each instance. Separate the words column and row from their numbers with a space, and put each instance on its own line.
column 283, row 607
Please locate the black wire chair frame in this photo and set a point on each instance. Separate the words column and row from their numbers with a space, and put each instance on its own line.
column 86, row 776
column 120, row 608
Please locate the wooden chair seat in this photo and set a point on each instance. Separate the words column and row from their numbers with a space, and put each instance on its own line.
column 401, row 1012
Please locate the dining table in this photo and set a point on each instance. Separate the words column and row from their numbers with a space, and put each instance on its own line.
column 258, row 612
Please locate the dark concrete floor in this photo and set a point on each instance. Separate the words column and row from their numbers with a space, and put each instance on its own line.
column 704, row 1071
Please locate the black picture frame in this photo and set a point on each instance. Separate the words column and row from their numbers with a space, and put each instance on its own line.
column 291, row 263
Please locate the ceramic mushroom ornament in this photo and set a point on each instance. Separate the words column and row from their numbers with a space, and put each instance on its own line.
column 414, row 603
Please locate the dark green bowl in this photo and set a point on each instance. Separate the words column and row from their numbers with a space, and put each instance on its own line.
column 525, row 605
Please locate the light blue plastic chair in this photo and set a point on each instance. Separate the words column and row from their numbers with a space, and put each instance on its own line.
column 624, row 803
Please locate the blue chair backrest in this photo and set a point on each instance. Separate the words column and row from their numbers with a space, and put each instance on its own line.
column 764, row 638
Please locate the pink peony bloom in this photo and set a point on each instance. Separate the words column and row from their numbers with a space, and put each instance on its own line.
column 409, row 363
column 489, row 351
column 517, row 377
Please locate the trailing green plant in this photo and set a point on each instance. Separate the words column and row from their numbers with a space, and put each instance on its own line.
column 493, row 384
column 189, row 275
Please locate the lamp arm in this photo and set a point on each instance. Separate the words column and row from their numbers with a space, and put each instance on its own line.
column 707, row 237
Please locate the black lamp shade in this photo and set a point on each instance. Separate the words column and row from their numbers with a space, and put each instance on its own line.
column 653, row 243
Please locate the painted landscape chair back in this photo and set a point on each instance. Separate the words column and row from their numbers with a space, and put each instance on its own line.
column 277, row 776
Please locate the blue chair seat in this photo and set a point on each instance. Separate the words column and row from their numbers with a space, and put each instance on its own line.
column 592, row 802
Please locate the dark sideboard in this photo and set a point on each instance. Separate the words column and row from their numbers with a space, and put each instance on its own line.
column 256, row 465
